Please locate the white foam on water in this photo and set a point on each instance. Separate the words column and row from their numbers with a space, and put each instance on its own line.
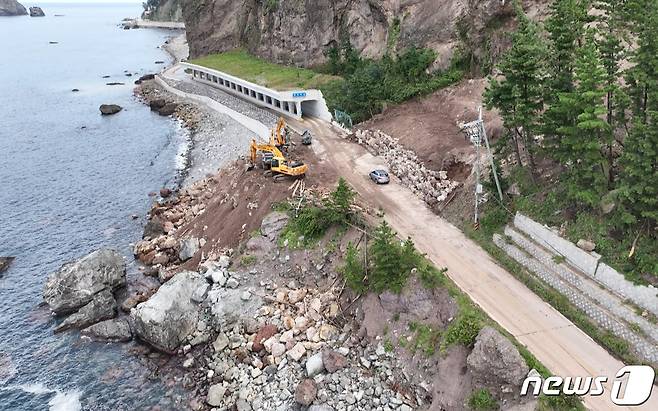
column 66, row 401
column 61, row 401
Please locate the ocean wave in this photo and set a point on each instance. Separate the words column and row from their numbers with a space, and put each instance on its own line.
column 61, row 401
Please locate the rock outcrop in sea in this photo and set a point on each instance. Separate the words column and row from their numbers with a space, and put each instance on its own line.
column 78, row 283
column 36, row 12
column 109, row 109
column 12, row 8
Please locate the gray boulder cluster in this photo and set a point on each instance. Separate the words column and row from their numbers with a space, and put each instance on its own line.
column 36, row 12
column 84, row 289
column 432, row 186
column 11, row 8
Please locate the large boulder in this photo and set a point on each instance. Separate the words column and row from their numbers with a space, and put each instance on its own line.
column 273, row 224
column 109, row 109
column 76, row 283
column 109, row 330
column 188, row 248
column 170, row 315
column 495, row 362
column 11, row 8
column 102, row 307
column 36, row 12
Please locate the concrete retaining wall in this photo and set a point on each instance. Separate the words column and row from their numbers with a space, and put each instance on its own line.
column 589, row 263
column 290, row 103
column 578, row 258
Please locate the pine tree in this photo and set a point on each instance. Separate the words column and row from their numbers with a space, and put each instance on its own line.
column 340, row 203
column 353, row 270
column 565, row 27
column 519, row 94
column 584, row 133
column 639, row 161
column 408, row 256
column 386, row 272
column 612, row 32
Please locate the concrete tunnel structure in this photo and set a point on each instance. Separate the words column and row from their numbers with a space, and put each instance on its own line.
column 295, row 103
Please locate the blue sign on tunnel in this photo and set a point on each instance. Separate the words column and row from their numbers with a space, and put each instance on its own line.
column 299, row 94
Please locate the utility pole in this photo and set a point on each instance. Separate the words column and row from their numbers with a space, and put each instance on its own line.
column 476, row 132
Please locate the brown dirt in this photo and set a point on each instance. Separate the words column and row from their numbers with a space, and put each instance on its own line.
column 225, row 226
column 428, row 125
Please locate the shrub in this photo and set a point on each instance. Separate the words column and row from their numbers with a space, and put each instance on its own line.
column 430, row 276
column 463, row 329
column 353, row 270
column 369, row 85
column 390, row 263
column 482, row 400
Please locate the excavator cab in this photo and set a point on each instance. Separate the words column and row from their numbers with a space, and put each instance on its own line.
column 274, row 161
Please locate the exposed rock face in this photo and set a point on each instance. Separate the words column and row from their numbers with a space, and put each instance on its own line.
column 167, row 10
column 36, row 12
column 495, row 362
column 76, row 283
column 272, row 224
column 109, row 109
column 11, row 8
column 170, row 314
column 110, row 330
column 300, row 33
column 102, row 307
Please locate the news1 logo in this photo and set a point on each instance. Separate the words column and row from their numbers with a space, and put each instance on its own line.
column 639, row 383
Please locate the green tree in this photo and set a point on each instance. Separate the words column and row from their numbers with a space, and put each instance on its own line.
column 340, row 202
column 353, row 269
column 386, row 270
column 611, row 33
column 565, row 27
column 519, row 94
column 584, row 132
column 409, row 257
column 639, row 161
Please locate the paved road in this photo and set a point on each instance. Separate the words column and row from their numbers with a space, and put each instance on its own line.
column 552, row 338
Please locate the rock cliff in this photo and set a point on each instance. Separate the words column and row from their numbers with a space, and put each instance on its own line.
column 163, row 10
column 300, row 32
column 11, row 8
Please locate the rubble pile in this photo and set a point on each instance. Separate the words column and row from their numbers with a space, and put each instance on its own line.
column 286, row 347
column 432, row 186
column 160, row 245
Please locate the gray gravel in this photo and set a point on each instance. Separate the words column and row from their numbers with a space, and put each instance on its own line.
column 217, row 141
column 232, row 102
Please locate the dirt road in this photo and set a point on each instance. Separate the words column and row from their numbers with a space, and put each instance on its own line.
column 552, row 338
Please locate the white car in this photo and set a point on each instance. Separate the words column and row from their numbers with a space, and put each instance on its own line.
column 379, row 176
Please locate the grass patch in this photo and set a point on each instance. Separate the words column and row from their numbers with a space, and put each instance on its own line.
column 388, row 345
column 426, row 339
column 482, row 400
column 247, row 260
column 241, row 64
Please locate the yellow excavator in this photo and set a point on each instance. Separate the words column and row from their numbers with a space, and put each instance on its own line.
column 272, row 157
